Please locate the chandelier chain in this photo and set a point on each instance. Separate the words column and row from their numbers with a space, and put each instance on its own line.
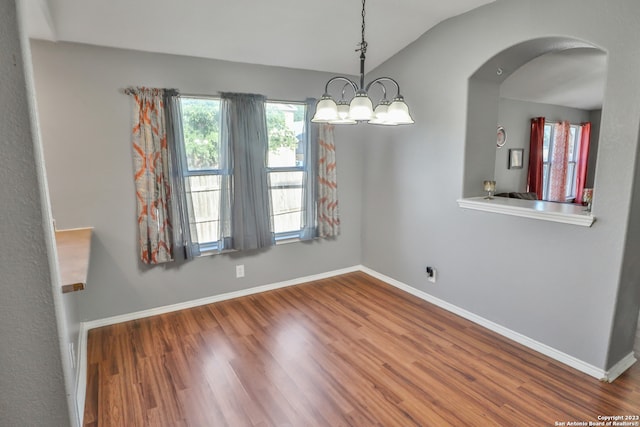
column 363, row 43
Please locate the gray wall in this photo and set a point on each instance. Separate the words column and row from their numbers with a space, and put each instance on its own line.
column 625, row 321
column 480, row 160
column 516, row 117
column 86, row 126
column 595, row 117
column 555, row 283
column 32, row 387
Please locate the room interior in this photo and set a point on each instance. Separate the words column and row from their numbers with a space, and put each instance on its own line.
column 567, row 291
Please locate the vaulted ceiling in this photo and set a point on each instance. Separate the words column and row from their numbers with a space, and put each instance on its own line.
column 314, row 35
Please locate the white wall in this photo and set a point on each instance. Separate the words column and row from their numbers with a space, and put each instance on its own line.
column 86, row 130
column 32, row 383
column 555, row 283
column 516, row 117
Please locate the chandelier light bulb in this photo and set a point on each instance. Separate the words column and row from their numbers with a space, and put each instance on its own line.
column 326, row 110
column 381, row 117
column 398, row 112
column 361, row 107
column 343, row 110
column 343, row 115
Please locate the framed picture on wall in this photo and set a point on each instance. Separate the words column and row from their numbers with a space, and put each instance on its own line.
column 515, row 158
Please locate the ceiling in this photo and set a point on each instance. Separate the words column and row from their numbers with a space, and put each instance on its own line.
column 314, row 35
column 572, row 78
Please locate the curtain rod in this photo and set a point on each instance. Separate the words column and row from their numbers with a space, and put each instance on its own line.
column 555, row 122
column 200, row 95
column 560, row 121
column 129, row 91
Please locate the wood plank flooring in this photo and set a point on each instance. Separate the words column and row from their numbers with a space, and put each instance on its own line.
column 345, row 351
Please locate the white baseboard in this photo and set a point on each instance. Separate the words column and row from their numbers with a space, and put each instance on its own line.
column 81, row 377
column 571, row 361
column 617, row 369
column 215, row 298
column 505, row 332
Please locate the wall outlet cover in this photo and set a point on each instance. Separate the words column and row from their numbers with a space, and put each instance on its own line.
column 239, row 271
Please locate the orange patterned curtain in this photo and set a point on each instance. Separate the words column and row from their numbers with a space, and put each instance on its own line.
column 151, row 162
column 328, row 219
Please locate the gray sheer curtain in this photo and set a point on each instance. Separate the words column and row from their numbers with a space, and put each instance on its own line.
column 186, row 235
column 244, row 130
column 309, row 226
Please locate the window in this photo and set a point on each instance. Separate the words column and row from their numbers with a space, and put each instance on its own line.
column 201, row 166
column 286, row 166
column 204, row 170
column 572, row 160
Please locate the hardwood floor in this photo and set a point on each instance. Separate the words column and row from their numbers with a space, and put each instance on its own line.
column 345, row 351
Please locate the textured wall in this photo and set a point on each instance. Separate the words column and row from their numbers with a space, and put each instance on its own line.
column 86, row 121
column 32, row 389
column 555, row 283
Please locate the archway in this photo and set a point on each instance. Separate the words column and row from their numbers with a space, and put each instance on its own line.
column 483, row 105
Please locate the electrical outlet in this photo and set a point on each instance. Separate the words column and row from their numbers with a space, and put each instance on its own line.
column 239, row 271
column 431, row 274
column 72, row 355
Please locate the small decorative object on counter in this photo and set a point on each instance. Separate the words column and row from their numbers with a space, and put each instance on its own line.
column 587, row 198
column 490, row 188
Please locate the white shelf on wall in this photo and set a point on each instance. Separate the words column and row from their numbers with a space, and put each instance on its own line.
column 566, row 213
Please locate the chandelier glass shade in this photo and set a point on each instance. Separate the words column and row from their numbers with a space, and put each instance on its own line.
column 359, row 108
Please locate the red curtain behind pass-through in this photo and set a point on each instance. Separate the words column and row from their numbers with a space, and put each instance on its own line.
column 534, row 179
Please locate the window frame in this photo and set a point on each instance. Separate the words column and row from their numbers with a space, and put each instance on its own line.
column 546, row 166
column 204, row 247
column 208, row 248
column 292, row 235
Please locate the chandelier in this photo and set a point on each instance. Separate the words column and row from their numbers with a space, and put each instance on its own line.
column 359, row 108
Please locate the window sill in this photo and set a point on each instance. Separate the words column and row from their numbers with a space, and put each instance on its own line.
column 287, row 240
column 535, row 209
column 212, row 249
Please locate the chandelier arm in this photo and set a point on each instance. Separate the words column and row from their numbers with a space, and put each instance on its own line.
column 344, row 88
column 379, row 80
column 384, row 88
column 340, row 78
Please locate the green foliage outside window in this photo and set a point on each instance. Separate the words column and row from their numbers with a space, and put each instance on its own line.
column 280, row 135
column 201, row 128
